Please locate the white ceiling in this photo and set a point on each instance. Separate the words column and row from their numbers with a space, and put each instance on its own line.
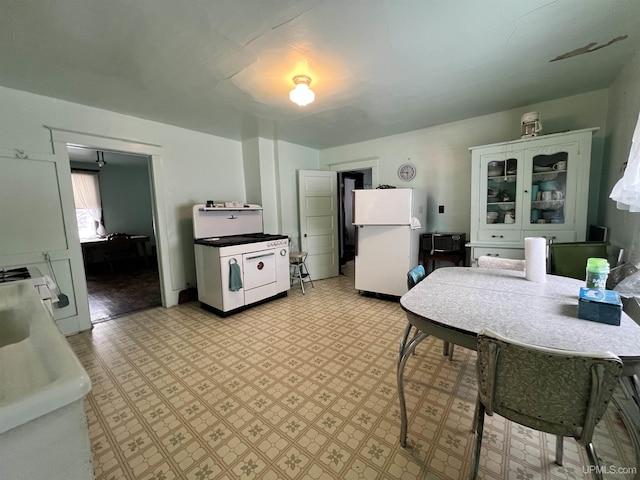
column 379, row 67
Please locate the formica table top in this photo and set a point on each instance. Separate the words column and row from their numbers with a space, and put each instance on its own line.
column 465, row 300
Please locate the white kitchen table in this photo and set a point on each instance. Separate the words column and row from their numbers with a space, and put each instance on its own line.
column 455, row 303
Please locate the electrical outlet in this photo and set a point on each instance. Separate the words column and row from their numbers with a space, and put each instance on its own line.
column 440, row 208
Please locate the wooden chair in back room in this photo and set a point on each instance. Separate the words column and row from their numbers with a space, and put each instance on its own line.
column 117, row 250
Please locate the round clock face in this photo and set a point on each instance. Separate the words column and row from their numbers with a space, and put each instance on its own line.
column 407, row 172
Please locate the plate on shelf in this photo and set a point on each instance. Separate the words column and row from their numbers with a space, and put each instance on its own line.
column 547, row 205
column 507, row 206
column 540, row 169
column 544, row 177
column 504, row 179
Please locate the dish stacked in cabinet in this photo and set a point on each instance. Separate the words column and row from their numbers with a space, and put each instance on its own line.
column 534, row 187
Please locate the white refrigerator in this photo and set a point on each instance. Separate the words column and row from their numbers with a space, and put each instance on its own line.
column 388, row 227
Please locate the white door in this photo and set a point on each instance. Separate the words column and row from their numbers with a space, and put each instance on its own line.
column 317, row 200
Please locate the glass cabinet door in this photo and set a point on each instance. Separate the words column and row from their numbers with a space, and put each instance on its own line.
column 500, row 199
column 548, row 181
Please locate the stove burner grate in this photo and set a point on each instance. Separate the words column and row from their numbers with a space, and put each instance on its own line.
column 14, row 274
column 239, row 239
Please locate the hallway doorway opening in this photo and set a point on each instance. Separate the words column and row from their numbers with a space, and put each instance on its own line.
column 347, row 234
column 118, row 243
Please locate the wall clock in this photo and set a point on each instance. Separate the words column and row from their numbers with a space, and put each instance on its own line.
column 407, row 172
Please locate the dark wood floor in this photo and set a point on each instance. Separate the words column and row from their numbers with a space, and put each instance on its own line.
column 131, row 286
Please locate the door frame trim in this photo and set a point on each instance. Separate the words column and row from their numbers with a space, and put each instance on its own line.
column 60, row 138
column 361, row 164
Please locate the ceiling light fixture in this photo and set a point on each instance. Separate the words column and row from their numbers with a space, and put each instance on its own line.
column 302, row 94
column 100, row 161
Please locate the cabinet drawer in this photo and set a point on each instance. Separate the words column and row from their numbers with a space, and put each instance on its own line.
column 560, row 236
column 514, row 253
column 500, row 235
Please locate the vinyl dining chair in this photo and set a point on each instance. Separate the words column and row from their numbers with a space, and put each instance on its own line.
column 415, row 276
column 561, row 392
column 570, row 259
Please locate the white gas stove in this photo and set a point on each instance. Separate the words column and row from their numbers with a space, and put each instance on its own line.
column 236, row 264
column 45, row 285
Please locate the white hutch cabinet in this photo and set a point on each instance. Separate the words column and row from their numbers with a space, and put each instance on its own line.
column 533, row 187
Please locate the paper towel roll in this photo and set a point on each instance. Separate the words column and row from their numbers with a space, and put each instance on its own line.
column 535, row 259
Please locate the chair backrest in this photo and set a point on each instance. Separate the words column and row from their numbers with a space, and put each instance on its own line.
column 570, row 259
column 116, row 236
column 117, row 243
column 485, row 261
column 555, row 391
column 415, row 276
column 631, row 307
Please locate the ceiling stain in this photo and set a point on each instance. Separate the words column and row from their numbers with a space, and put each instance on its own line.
column 587, row 49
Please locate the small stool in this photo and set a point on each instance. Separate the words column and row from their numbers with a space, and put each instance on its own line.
column 297, row 261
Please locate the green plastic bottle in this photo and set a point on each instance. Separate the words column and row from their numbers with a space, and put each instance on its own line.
column 597, row 273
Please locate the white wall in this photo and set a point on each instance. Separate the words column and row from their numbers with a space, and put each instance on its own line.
column 251, row 166
column 195, row 166
column 268, row 185
column 290, row 159
column 126, row 199
column 441, row 154
column 624, row 106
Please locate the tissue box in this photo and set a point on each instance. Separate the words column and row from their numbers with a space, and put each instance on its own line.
column 602, row 306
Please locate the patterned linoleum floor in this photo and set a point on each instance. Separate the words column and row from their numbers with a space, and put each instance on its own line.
column 303, row 387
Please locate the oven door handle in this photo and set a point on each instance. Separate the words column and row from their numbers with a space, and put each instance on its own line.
column 260, row 256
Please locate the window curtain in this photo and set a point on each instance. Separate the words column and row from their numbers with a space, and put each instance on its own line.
column 626, row 192
column 86, row 194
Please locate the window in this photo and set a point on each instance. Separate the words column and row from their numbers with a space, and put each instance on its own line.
column 86, row 195
column 87, row 226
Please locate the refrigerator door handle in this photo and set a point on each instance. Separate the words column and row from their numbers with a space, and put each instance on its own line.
column 353, row 211
column 355, row 253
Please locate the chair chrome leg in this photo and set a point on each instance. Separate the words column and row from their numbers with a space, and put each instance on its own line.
column 414, row 336
column 447, row 349
column 404, row 356
column 628, row 405
column 479, row 422
column 635, row 389
column 559, row 449
column 296, row 275
column 301, row 280
column 403, row 342
column 474, row 426
column 306, row 273
column 593, row 458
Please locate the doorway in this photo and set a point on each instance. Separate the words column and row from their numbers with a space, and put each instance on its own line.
column 348, row 181
column 121, row 276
